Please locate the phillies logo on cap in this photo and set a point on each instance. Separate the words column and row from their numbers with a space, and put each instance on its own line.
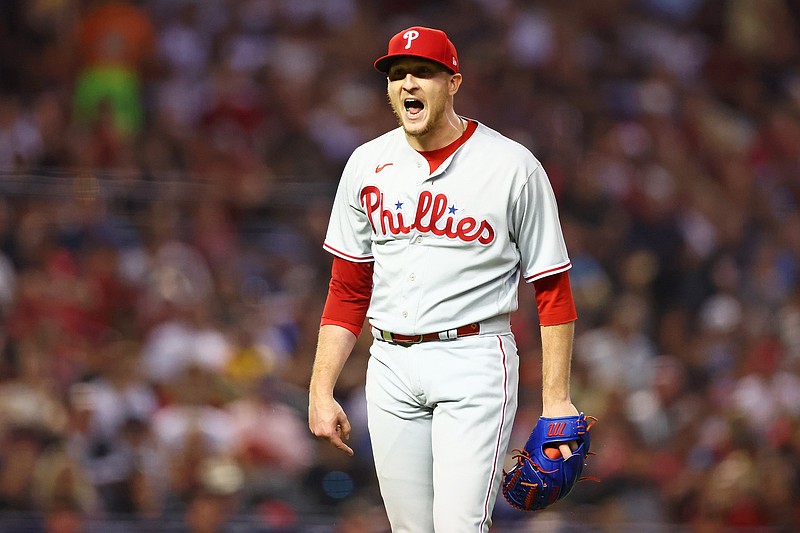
column 422, row 42
column 410, row 35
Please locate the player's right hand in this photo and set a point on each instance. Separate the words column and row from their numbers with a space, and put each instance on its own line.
column 327, row 420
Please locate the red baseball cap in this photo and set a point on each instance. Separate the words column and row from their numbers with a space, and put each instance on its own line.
column 419, row 41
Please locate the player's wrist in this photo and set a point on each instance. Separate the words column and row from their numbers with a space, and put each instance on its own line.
column 557, row 408
column 320, row 390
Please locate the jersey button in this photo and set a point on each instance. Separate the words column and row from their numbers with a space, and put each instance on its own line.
column 405, row 314
column 412, row 277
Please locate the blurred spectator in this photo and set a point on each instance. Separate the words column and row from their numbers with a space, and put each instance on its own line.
column 115, row 42
column 618, row 356
column 20, row 141
column 61, row 481
column 111, row 433
column 272, row 444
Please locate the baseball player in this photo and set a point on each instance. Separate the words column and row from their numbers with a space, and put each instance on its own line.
column 432, row 226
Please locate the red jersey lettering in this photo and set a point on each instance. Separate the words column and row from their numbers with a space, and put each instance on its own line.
column 432, row 216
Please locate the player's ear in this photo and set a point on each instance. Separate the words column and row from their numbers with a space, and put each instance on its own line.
column 454, row 84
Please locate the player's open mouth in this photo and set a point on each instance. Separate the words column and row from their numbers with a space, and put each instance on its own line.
column 413, row 106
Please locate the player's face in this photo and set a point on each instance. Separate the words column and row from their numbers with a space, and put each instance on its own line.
column 421, row 94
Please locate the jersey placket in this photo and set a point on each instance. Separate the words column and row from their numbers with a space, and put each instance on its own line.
column 412, row 276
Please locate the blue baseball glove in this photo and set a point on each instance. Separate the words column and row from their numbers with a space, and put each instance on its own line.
column 537, row 481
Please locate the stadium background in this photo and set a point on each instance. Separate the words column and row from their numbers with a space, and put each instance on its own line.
column 166, row 172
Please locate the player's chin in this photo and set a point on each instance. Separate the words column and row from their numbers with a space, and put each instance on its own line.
column 416, row 125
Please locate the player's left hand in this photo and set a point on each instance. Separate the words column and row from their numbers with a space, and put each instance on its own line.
column 556, row 410
column 540, row 479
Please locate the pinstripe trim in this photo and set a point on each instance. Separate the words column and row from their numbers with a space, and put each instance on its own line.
column 486, row 510
column 555, row 270
column 343, row 255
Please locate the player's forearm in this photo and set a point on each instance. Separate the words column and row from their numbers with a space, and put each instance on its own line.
column 556, row 367
column 333, row 348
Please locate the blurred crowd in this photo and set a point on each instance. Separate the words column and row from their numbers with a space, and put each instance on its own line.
column 166, row 173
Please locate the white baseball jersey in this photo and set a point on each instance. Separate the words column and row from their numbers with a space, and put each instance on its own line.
column 448, row 247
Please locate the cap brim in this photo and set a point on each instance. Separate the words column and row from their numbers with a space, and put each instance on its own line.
column 383, row 64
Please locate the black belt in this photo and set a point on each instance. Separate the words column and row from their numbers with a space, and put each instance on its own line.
column 397, row 338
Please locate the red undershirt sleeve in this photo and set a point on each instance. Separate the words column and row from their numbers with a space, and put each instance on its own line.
column 554, row 300
column 349, row 292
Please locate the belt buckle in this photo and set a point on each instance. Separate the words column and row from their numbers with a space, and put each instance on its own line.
column 415, row 340
column 388, row 336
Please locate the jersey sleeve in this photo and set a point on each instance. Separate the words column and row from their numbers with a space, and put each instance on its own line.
column 537, row 229
column 554, row 300
column 349, row 232
column 349, row 293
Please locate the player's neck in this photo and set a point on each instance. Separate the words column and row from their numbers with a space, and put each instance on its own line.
column 447, row 130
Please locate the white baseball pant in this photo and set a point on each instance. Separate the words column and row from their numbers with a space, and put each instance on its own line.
column 440, row 417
